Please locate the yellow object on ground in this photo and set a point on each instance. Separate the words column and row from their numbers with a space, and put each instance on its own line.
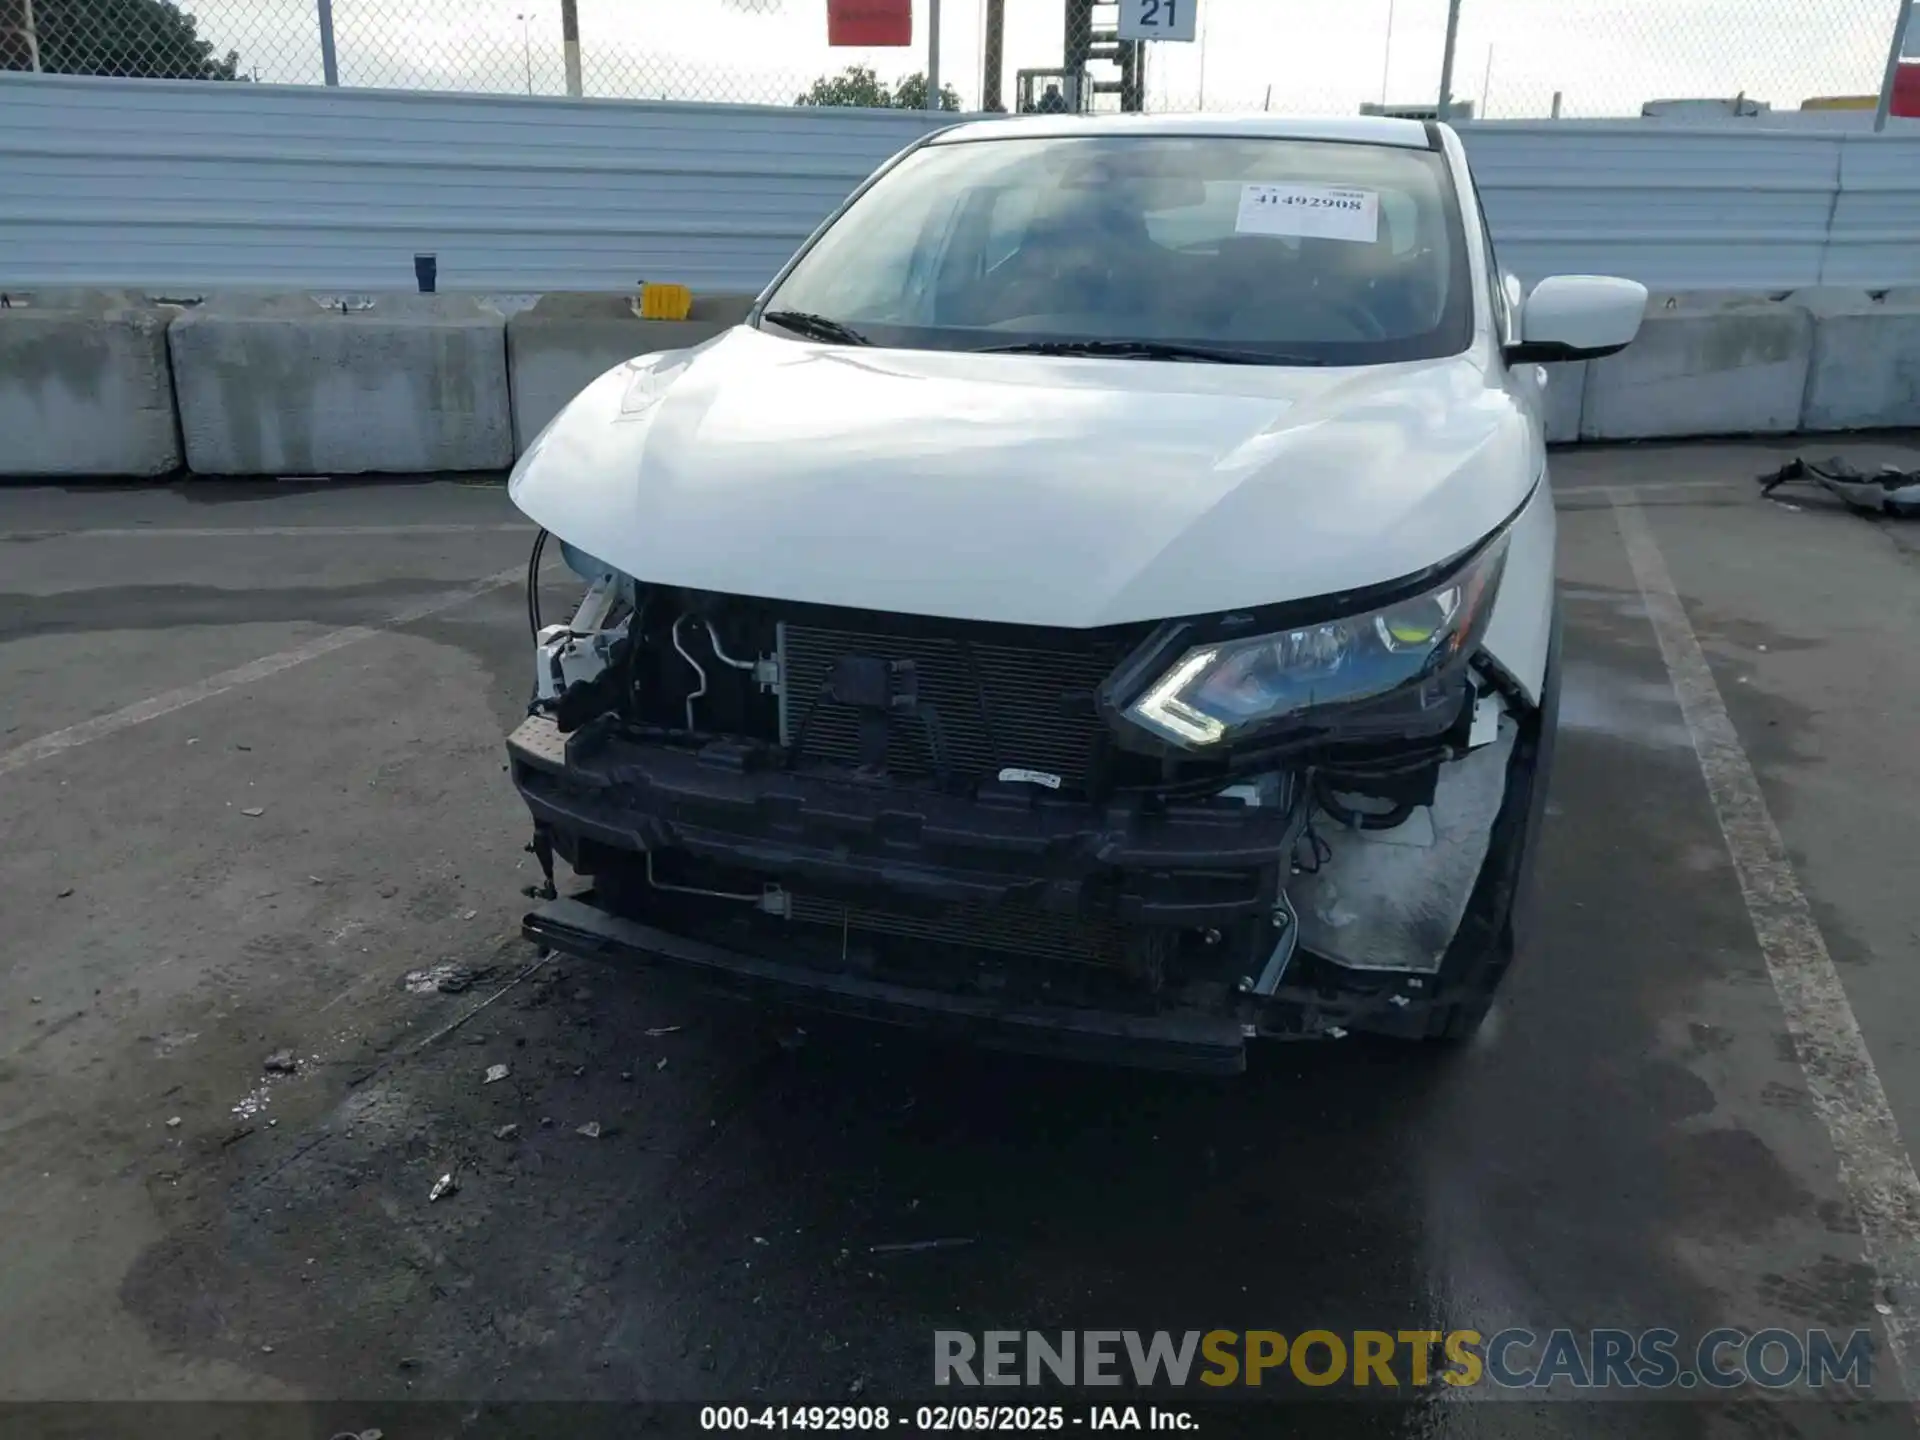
column 665, row 302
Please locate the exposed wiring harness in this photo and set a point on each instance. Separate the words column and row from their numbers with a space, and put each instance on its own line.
column 1317, row 846
column 533, row 584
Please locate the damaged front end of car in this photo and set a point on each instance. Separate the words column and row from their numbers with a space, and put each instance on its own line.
column 1148, row 843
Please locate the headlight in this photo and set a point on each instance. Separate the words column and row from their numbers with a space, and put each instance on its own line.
column 1218, row 692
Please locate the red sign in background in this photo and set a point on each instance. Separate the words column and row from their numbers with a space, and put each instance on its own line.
column 869, row 22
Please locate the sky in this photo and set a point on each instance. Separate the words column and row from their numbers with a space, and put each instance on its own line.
column 1294, row 56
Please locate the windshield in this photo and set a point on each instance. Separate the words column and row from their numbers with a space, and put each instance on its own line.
column 1288, row 251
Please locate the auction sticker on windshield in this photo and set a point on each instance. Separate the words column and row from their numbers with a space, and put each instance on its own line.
column 1310, row 212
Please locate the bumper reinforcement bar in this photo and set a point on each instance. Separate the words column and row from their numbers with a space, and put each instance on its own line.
column 1194, row 1043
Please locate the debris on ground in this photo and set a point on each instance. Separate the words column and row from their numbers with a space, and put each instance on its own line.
column 1891, row 491
column 253, row 811
column 173, row 1122
column 658, row 1030
column 280, row 1062
column 591, row 1130
column 443, row 1187
column 661, row 1063
column 793, row 1039
column 910, row 1247
column 64, row 893
column 507, row 1131
column 443, row 979
column 495, row 1072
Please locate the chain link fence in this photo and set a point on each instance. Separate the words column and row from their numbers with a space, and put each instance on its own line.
column 1512, row 58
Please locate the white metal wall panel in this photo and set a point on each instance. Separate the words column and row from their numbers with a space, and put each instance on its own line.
column 1676, row 207
column 1875, row 232
column 175, row 184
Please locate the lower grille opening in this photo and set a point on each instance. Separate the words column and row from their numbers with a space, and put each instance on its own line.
column 1006, row 929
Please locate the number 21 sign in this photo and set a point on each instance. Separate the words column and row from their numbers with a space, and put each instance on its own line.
column 1158, row 19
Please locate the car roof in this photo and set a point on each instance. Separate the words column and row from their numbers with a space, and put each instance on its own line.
column 1359, row 129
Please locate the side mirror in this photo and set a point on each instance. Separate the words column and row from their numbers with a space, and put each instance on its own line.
column 1577, row 317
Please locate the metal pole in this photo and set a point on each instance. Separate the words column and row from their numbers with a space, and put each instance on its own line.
column 329, row 62
column 1894, row 49
column 933, row 54
column 1446, row 61
column 570, row 44
column 993, row 55
column 1386, row 60
column 33, row 36
column 1203, row 57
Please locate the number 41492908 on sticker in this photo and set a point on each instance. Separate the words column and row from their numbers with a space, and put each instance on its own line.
column 1309, row 212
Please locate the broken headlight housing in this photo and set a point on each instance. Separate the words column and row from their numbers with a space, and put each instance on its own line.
column 1228, row 689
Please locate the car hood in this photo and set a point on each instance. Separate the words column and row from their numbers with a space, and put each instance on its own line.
column 1021, row 488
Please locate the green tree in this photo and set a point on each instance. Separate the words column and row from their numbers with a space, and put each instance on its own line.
column 858, row 86
column 153, row 39
column 911, row 94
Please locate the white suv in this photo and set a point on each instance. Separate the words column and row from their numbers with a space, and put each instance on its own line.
column 1101, row 599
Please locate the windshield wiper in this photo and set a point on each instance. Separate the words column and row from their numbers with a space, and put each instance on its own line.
column 816, row 327
column 1151, row 350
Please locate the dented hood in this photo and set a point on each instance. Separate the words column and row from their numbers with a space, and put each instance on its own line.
column 1021, row 488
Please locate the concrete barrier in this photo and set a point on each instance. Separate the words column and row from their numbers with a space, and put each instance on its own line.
column 560, row 344
column 85, row 387
column 394, row 384
column 408, row 384
column 1865, row 370
column 1703, row 365
column 1566, row 390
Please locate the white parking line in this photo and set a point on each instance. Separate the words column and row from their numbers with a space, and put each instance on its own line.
column 254, row 532
column 87, row 731
column 1847, row 1095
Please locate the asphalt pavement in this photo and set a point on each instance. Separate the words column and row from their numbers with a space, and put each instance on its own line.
column 261, row 875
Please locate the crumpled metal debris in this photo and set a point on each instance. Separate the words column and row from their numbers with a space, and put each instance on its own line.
column 280, row 1062
column 591, row 1130
column 1892, row 491
column 495, row 1072
column 442, row 1187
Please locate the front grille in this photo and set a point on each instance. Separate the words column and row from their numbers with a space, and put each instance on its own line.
column 1004, row 928
column 999, row 705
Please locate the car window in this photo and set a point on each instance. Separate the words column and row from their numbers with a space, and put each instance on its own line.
column 1332, row 252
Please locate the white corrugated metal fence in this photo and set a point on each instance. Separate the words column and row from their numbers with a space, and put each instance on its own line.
column 190, row 184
